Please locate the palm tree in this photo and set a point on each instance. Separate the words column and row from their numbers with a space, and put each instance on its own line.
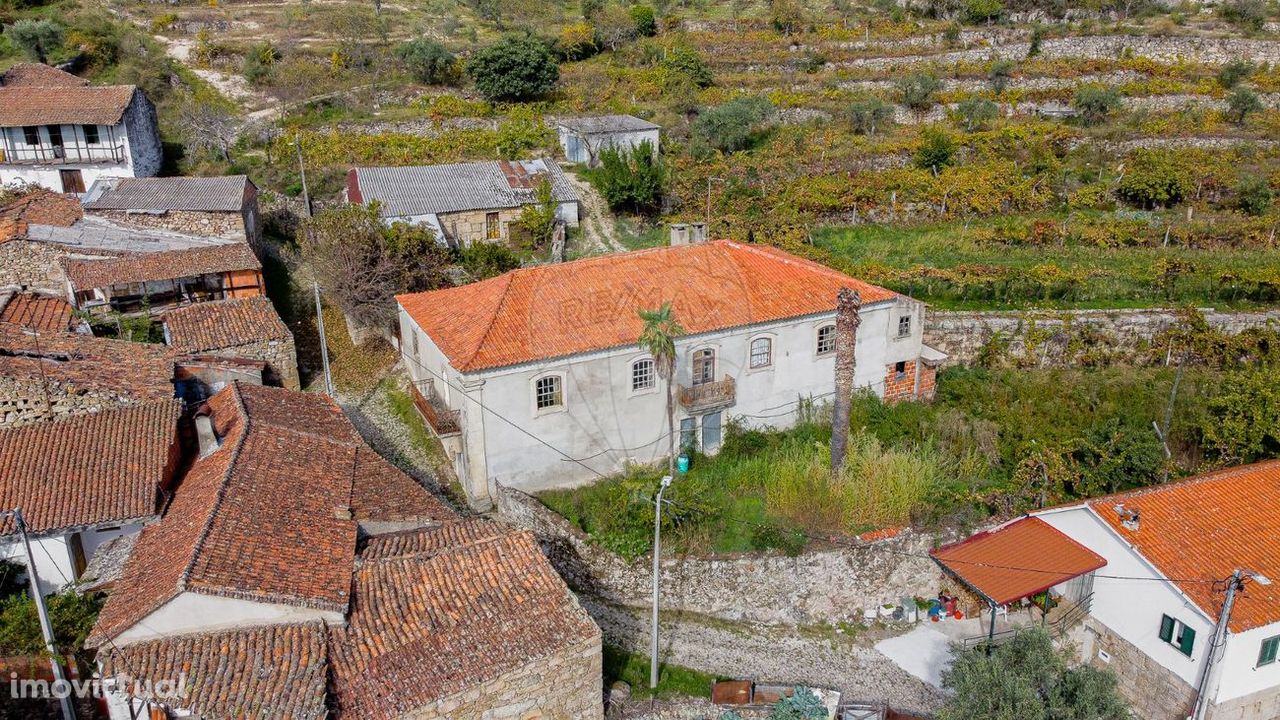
column 848, row 307
column 659, row 338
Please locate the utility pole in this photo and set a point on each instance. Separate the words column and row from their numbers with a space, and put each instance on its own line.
column 657, row 545
column 709, row 181
column 324, row 343
column 1163, row 432
column 302, row 170
column 46, row 627
column 1234, row 584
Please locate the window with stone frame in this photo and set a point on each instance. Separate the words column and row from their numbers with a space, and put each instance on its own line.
column 761, row 353
column 704, row 366
column 904, row 326
column 548, row 392
column 826, row 339
column 643, row 374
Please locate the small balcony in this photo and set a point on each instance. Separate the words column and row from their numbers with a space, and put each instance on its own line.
column 443, row 421
column 709, row 396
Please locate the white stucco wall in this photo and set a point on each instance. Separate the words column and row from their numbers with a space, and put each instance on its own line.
column 604, row 425
column 578, row 148
column 54, row 555
column 192, row 612
column 1239, row 674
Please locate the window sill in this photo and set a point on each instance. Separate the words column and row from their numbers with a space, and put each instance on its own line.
column 540, row 412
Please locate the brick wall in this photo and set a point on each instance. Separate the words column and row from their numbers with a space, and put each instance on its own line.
column 212, row 224
column 34, row 265
column 914, row 380
column 1153, row 692
column 563, row 686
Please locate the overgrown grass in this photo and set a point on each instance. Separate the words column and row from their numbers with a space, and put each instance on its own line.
column 673, row 680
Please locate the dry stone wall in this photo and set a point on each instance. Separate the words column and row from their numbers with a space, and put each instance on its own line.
column 819, row 586
column 280, row 355
column 34, row 265
column 1071, row 337
column 210, row 224
column 1151, row 689
column 23, row 403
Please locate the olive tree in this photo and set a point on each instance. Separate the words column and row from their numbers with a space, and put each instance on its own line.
column 516, row 68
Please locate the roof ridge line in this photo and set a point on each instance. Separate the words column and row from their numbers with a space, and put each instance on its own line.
column 493, row 316
column 1210, row 476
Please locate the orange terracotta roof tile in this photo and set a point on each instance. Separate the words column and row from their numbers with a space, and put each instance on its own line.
column 44, row 207
column 38, row 75
column 86, row 273
column 562, row 309
column 107, row 467
column 64, row 104
column 1206, row 527
column 224, row 324
column 482, row 601
column 275, row 672
column 32, row 311
column 1017, row 560
column 128, row 371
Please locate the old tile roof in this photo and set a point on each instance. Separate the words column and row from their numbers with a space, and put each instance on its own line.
column 607, row 124
column 43, row 313
column 159, row 194
column 128, row 371
column 1204, row 528
column 482, row 601
column 44, row 207
column 106, row 467
column 1017, row 560
column 271, row 515
column 164, row 265
column 64, row 104
column 106, row 566
column 433, row 189
column 275, row 672
column 224, row 324
column 38, row 75
column 551, row 311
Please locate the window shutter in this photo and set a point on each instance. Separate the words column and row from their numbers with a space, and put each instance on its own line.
column 1188, row 640
column 1267, row 654
column 1166, row 628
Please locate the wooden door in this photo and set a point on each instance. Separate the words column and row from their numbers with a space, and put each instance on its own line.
column 72, row 181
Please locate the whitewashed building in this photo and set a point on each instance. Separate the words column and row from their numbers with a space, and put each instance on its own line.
column 534, row 379
column 583, row 139
column 63, row 134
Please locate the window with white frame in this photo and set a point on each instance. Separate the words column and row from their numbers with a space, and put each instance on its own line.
column 1267, row 653
column 548, row 392
column 643, row 374
column 761, row 353
column 904, row 326
column 704, row 366
column 1177, row 634
column 826, row 339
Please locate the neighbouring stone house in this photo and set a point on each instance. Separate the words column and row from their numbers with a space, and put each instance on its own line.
column 58, row 131
column 224, row 206
column 553, row 349
column 341, row 586
column 583, row 138
column 1150, row 567
column 157, row 281
column 462, row 203
column 244, row 328
column 85, row 480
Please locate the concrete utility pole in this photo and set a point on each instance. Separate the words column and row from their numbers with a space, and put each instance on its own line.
column 657, row 545
column 1234, row 584
column 46, row 627
column 324, row 343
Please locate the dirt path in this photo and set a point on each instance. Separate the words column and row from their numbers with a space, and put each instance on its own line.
column 770, row 653
column 597, row 233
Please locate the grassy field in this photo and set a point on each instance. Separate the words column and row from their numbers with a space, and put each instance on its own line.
column 673, row 680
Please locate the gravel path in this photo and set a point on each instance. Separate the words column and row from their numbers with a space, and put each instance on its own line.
column 770, row 653
column 596, row 224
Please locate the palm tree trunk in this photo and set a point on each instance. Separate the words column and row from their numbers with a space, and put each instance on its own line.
column 848, row 306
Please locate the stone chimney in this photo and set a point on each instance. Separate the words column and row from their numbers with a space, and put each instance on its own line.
column 679, row 234
column 204, row 433
column 697, row 233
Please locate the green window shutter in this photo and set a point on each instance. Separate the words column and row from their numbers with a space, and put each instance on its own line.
column 1188, row 640
column 1270, row 647
column 1166, row 628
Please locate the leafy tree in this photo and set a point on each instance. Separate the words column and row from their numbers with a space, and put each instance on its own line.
column 1250, row 14
column 576, row 41
column 645, row 20
column 787, row 16
column 1037, row 39
column 869, row 116
column 631, row 179
column 975, row 113
column 919, row 90
column 1115, row 456
column 538, row 218
column 614, row 27
column 589, row 8
column 483, row 260
column 1234, row 73
column 733, row 125
column 35, row 38
column 1254, row 195
column 937, row 150
column 1243, row 421
column 428, row 61
column 1001, row 74
column 1155, row 177
column 1241, row 103
column 658, row 338
column 71, row 614
column 1027, row 679
column 980, row 11
column 516, row 68
column 1095, row 103
column 685, row 61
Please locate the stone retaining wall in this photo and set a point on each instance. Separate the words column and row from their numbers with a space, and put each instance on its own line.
column 34, row 265
column 209, row 224
column 1071, row 337
column 1153, row 691
column 818, row 586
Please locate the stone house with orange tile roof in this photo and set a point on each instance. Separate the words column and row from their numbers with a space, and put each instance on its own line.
column 553, row 350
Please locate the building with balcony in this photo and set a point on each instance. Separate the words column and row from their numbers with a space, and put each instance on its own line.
column 542, row 383
column 58, row 131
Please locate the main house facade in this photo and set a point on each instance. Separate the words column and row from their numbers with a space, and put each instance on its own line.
column 59, row 132
column 553, row 351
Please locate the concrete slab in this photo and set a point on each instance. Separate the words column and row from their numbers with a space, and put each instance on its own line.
column 923, row 652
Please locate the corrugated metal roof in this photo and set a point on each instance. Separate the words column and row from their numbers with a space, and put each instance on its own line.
column 607, row 124
column 1018, row 560
column 200, row 194
column 431, row 189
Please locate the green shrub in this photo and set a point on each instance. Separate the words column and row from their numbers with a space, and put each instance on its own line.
column 684, row 61
column 732, row 126
column 937, row 149
column 1254, row 196
column 1001, row 74
column 975, row 113
column 1251, row 14
column 484, row 260
column 514, row 69
column 1095, row 103
column 1241, row 102
column 577, row 41
column 1155, row 177
column 1234, row 73
column 259, row 63
column 980, row 11
column 867, row 117
column 645, row 20
column 427, row 60
column 36, row 38
column 631, row 179
column 919, row 90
